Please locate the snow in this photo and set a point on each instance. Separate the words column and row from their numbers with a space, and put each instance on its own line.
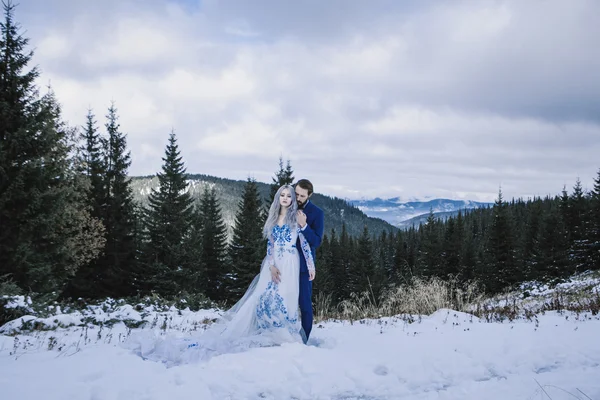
column 17, row 301
column 447, row 355
column 65, row 353
column 582, row 281
column 534, row 297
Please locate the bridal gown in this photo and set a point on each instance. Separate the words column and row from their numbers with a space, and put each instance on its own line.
column 267, row 314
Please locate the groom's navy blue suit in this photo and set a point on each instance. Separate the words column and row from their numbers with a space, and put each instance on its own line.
column 313, row 232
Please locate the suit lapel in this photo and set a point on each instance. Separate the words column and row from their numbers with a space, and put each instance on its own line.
column 308, row 208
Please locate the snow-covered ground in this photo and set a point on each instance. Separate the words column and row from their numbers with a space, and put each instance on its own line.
column 534, row 297
column 447, row 355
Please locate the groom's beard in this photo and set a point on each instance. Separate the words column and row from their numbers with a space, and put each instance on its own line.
column 301, row 204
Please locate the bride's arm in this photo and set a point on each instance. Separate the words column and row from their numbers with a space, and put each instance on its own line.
column 270, row 250
column 275, row 273
column 310, row 263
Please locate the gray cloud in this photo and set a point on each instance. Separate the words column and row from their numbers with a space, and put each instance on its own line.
column 515, row 57
column 366, row 98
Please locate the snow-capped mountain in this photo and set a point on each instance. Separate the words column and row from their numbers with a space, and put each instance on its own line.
column 404, row 214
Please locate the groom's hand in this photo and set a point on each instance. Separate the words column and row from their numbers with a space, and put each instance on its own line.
column 301, row 218
column 275, row 274
column 311, row 275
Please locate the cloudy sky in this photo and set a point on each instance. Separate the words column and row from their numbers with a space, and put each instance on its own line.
column 373, row 98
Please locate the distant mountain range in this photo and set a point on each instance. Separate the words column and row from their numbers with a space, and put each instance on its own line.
column 337, row 211
column 405, row 214
column 377, row 214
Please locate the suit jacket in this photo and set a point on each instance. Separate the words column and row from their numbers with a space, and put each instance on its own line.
column 313, row 232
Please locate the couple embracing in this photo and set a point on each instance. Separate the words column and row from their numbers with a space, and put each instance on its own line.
column 277, row 306
column 294, row 229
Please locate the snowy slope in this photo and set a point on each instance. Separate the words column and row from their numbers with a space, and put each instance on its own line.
column 447, row 355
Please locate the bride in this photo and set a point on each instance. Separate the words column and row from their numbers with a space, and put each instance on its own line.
column 267, row 314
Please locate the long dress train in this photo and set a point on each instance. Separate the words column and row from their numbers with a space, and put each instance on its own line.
column 266, row 315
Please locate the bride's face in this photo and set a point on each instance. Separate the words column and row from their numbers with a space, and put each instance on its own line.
column 285, row 198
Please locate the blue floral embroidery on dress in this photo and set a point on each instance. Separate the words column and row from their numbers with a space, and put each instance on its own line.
column 282, row 235
column 271, row 311
column 310, row 263
column 282, row 238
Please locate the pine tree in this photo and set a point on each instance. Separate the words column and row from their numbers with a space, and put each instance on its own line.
column 413, row 243
column 46, row 231
column 248, row 247
column 214, row 247
column 93, row 169
column 346, row 263
column 469, row 260
column 453, row 240
column 168, row 222
column 565, row 206
column 385, row 258
column 285, row 176
column 92, row 162
column 460, row 235
column 594, row 228
column 325, row 284
column 79, row 233
column 363, row 271
column 118, row 268
column 336, row 269
column 552, row 248
column 195, row 281
column 430, row 250
column 501, row 267
column 520, row 212
column 577, row 225
column 382, row 265
column 402, row 271
column 531, row 238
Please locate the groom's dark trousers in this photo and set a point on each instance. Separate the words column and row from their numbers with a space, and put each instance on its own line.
column 313, row 232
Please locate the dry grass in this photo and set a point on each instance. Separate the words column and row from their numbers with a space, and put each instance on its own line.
column 421, row 297
column 424, row 297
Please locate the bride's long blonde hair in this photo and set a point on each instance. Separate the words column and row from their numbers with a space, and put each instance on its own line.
column 290, row 217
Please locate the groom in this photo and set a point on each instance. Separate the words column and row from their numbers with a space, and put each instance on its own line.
column 310, row 220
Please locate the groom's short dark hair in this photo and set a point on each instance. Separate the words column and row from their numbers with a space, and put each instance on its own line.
column 306, row 185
